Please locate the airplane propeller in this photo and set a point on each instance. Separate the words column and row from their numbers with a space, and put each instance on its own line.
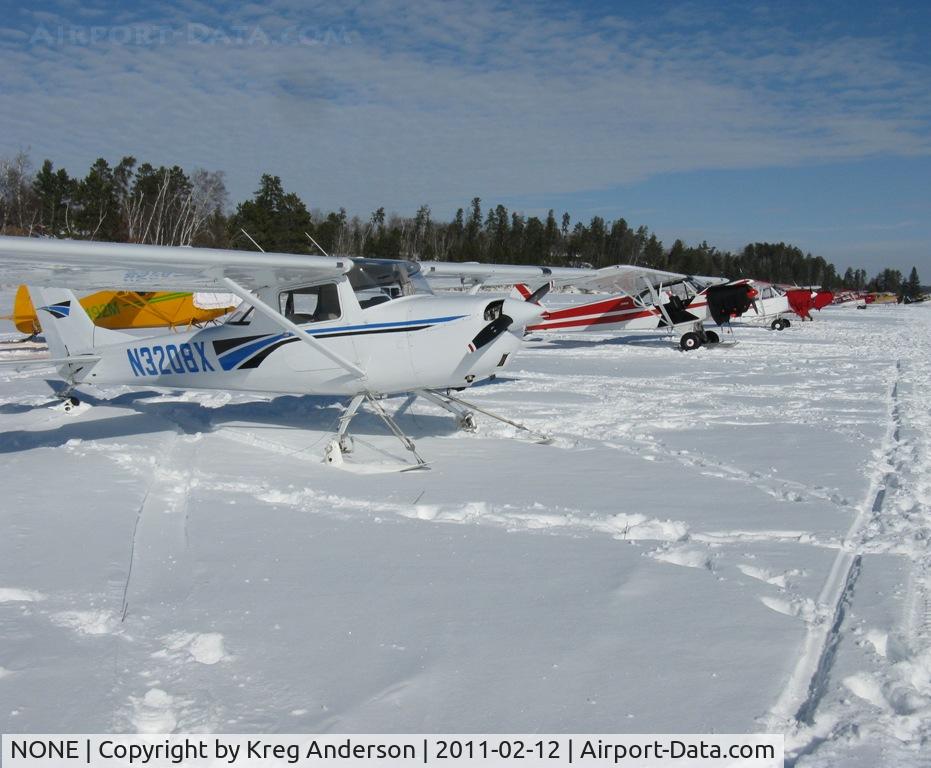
column 521, row 312
column 534, row 298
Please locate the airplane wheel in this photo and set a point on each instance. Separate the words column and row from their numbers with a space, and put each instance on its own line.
column 786, row 323
column 346, row 444
column 777, row 325
column 690, row 341
column 711, row 337
column 70, row 404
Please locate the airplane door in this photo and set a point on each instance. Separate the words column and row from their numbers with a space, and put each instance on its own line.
column 317, row 309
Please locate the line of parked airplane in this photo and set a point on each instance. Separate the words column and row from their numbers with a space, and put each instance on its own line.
column 353, row 327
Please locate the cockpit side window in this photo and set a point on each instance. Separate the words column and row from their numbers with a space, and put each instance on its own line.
column 682, row 289
column 310, row 305
column 767, row 293
column 376, row 281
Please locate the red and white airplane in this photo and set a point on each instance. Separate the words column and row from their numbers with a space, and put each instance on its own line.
column 616, row 313
column 639, row 298
column 686, row 303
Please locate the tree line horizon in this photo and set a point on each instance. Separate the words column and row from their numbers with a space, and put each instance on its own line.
column 135, row 202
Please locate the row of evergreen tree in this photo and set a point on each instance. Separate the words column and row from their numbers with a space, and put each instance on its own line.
column 132, row 202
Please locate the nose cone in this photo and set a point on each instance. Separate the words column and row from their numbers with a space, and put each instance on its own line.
column 522, row 312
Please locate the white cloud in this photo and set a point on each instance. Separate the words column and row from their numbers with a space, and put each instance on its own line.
column 382, row 102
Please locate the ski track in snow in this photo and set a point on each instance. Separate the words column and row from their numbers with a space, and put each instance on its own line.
column 893, row 716
column 160, row 569
column 813, row 667
column 584, row 411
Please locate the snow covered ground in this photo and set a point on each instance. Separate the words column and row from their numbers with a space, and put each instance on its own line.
column 733, row 539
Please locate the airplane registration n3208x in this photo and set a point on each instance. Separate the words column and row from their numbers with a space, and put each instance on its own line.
column 319, row 325
column 159, row 360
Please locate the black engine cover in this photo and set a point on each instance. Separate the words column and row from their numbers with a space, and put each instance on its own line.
column 727, row 301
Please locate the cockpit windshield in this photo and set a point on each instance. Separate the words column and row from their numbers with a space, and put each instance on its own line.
column 376, row 281
column 683, row 289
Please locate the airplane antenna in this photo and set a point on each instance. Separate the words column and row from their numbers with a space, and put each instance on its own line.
column 252, row 239
column 318, row 245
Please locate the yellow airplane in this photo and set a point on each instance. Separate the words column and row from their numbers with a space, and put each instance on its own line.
column 124, row 309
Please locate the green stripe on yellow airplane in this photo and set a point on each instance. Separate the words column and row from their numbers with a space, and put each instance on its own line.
column 120, row 310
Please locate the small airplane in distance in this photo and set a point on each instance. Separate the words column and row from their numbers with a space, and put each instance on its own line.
column 803, row 300
column 775, row 304
column 358, row 328
column 121, row 310
column 848, row 296
column 770, row 305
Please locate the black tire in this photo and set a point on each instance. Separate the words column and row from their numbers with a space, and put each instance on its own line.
column 786, row 323
column 777, row 325
column 711, row 337
column 690, row 341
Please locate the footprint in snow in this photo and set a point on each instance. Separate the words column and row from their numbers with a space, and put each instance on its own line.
column 204, row 648
column 13, row 595
column 154, row 712
column 87, row 622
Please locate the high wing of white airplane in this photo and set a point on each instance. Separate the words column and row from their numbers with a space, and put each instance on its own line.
column 360, row 328
column 474, row 275
column 633, row 280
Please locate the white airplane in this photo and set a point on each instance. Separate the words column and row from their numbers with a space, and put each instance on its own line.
column 771, row 305
column 641, row 298
column 359, row 328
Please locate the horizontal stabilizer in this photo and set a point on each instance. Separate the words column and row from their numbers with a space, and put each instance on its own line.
column 23, row 362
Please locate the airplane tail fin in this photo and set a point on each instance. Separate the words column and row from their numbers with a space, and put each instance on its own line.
column 520, row 291
column 24, row 314
column 67, row 328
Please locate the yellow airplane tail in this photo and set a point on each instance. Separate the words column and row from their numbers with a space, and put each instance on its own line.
column 117, row 310
column 24, row 313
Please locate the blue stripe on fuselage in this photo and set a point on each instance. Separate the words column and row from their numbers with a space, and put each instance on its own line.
column 231, row 359
column 372, row 326
column 234, row 357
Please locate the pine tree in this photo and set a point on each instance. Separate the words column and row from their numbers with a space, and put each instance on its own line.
column 53, row 190
column 276, row 219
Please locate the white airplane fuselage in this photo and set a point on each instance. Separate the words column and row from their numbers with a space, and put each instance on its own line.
column 771, row 301
column 403, row 344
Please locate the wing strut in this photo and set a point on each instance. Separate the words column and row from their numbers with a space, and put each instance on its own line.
column 280, row 320
column 658, row 301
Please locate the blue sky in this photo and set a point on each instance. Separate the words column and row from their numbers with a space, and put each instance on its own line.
column 729, row 122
